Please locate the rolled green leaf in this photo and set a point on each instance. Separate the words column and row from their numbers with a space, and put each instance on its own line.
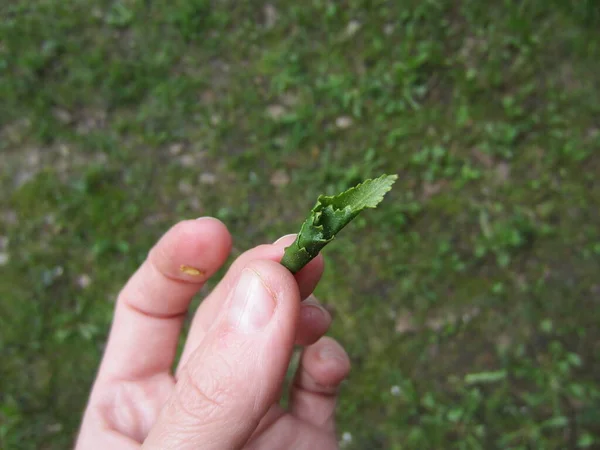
column 330, row 215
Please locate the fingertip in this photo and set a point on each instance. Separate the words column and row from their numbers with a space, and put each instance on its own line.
column 286, row 240
column 192, row 250
column 278, row 279
column 327, row 362
column 204, row 229
column 308, row 278
column 311, row 274
column 214, row 226
column 330, row 350
column 313, row 323
column 322, row 369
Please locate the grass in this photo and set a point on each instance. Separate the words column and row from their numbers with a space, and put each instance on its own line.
column 469, row 303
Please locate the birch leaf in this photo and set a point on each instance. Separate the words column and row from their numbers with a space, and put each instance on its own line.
column 330, row 215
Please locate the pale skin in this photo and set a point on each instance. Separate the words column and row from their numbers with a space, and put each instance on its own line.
column 224, row 392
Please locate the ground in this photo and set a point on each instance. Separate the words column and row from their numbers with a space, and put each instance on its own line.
column 469, row 301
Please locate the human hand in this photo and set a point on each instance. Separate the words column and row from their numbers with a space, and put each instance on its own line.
column 224, row 392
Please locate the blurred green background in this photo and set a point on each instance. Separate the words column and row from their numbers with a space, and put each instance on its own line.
column 469, row 302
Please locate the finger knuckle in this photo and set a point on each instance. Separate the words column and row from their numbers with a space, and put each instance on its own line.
column 207, row 396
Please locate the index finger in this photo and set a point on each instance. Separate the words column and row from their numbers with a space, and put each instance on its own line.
column 152, row 306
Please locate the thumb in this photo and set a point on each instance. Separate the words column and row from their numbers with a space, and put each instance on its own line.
column 236, row 374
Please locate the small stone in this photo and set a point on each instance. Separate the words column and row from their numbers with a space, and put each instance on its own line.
column 504, row 341
column 280, row 141
column 33, row 158
column 195, row 204
column 433, row 351
column 50, row 219
column 62, row 165
column 289, row 99
column 185, row 187
column 187, row 160
column 49, row 276
column 388, row 29
column 62, row 115
column 23, row 177
column 154, row 219
column 175, row 149
column 344, row 122
column 97, row 13
column 215, row 119
column 276, row 112
column 437, row 323
column 208, row 97
column 9, row 217
column 346, row 439
column 395, row 391
column 280, row 178
column 271, row 16
column 4, row 258
column 64, row 150
column 483, row 158
column 84, row 281
column 471, row 314
column 432, row 189
column 208, row 178
column 352, row 28
column 502, row 172
column 101, row 158
column 404, row 324
column 91, row 119
column 54, row 428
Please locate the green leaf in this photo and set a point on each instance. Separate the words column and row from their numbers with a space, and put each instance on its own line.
column 585, row 440
column 555, row 422
column 330, row 215
column 485, row 377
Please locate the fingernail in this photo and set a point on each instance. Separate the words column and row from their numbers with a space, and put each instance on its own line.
column 331, row 351
column 252, row 305
column 284, row 237
column 309, row 305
